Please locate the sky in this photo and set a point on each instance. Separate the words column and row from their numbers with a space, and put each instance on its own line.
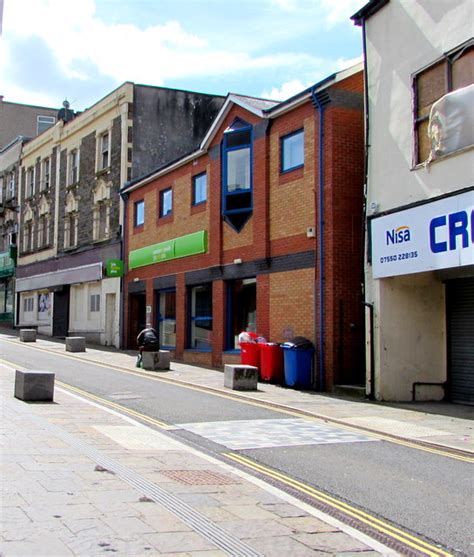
column 82, row 50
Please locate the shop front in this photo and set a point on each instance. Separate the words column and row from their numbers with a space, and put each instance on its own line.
column 423, row 289
column 7, row 287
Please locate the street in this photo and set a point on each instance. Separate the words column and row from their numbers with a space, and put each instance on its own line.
column 419, row 492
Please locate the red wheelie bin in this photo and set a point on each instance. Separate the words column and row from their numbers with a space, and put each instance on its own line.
column 250, row 354
column 271, row 362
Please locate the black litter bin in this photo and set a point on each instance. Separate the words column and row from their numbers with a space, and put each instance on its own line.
column 298, row 362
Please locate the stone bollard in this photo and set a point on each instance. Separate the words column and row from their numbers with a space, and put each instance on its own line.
column 240, row 377
column 27, row 335
column 156, row 361
column 33, row 386
column 75, row 344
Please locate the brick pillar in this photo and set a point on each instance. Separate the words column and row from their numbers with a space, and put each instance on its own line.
column 218, row 321
column 263, row 306
column 150, row 301
column 181, row 316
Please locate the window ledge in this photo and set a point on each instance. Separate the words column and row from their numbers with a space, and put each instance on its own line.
column 206, row 350
column 102, row 172
column 423, row 165
column 291, row 169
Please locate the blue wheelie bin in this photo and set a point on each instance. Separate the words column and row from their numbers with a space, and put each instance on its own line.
column 298, row 356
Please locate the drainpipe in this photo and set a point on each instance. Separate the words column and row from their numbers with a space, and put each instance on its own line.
column 371, row 394
column 369, row 305
column 124, row 196
column 320, row 99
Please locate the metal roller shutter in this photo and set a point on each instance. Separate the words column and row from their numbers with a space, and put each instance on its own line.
column 460, row 313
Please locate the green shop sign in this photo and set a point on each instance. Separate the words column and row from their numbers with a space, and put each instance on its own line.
column 191, row 244
column 114, row 267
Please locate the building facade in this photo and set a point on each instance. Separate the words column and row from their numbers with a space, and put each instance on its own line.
column 70, row 251
column 23, row 119
column 260, row 230
column 420, row 199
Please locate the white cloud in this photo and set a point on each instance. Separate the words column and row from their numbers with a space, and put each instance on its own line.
column 333, row 11
column 286, row 91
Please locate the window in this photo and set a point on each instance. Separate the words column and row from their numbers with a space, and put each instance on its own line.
column 242, row 309
column 94, row 302
column 43, row 123
column 28, row 304
column 104, row 154
column 1, row 189
column 139, row 217
column 166, row 202
column 28, row 236
column 100, row 229
column 30, row 182
column 292, row 151
column 167, row 317
column 45, row 174
column 201, row 317
column 453, row 72
column 199, row 189
column 43, row 232
column 73, row 167
column 11, row 186
column 237, row 174
column 70, row 230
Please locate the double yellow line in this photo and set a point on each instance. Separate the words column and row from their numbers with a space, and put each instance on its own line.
column 371, row 521
column 346, row 509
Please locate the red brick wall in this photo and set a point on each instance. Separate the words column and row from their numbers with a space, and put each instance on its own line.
column 284, row 206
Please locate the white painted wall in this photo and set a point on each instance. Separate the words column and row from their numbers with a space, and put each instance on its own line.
column 410, row 323
column 92, row 324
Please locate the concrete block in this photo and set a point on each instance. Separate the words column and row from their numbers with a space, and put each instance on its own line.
column 27, row 335
column 156, row 361
column 32, row 386
column 241, row 377
column 75, row 344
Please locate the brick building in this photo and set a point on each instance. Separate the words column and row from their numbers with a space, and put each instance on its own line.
column 70, row 249
column 258, row 229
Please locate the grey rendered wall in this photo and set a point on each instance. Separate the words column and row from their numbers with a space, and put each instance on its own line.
column 168, row 124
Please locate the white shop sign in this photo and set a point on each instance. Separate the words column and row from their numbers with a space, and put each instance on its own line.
column 436, row 235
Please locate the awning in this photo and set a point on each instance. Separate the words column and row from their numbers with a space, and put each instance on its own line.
column 86, row 273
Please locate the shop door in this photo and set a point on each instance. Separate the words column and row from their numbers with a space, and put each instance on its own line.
column 110, row 319
column 137, row 318
column 460, row 314
column 61, row 312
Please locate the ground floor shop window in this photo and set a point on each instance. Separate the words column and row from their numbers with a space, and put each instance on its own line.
column 44, row 306
column 167, row 318
column 241, row 309
column 6, row 296
column 201, row 317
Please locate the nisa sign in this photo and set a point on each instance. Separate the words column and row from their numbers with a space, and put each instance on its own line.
column 437, row 234
column 398, row 235
column 452, row 231
column 114, row 267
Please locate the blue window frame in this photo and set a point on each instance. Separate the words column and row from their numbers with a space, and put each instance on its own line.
column 237, row 185
column 292, row 151
column 199, row 188
column 200, row 317
column 166, row 202
column 167, row 317
column 139, row 213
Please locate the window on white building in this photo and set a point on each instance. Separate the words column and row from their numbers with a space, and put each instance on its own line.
column 73, row 162
column 30, row 182
column 94, row 303
column 104, row 151
column 45, row 174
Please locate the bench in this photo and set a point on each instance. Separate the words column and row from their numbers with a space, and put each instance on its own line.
column 27, row 335
column 34, row 386
column 75, row 344
column 240, row 377
column 156, row 361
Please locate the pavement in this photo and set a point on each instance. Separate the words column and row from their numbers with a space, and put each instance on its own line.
column 81, row 479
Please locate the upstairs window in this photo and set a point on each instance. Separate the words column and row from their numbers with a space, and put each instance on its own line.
column 166, row 202
column 73, row 167
column 30, row 182
column 237, row 174
column 11, row 186
column 104, row 151
column 139, row 213
column 292, row 151
column 199, row 189
column 452, row 72
column 45, row 174
column 43, row 123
